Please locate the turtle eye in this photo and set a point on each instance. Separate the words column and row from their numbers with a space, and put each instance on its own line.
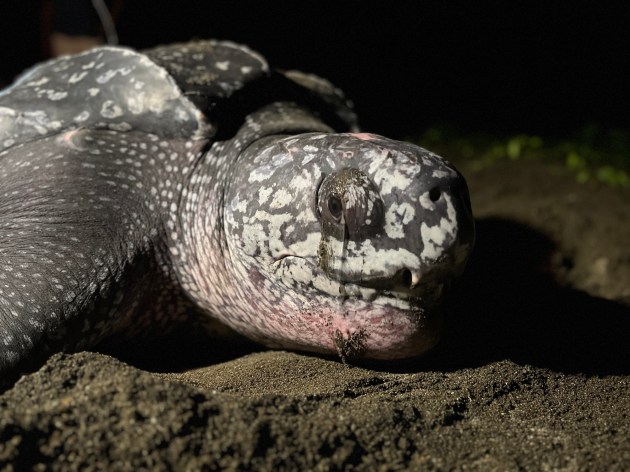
column 349, row 197
column 335, row 207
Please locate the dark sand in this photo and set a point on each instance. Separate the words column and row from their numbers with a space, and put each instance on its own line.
column 533, row 372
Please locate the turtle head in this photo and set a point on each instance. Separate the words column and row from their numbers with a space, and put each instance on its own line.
column 346, row 242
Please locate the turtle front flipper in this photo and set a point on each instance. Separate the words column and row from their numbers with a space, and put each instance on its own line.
column 80, row 236
column 105, row 88
column 210, row 71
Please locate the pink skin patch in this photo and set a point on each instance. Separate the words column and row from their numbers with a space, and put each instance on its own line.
column 68, row 139
column 363, row 136
column 388, row 333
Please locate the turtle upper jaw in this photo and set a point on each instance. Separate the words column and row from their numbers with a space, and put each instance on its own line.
column 402, row 291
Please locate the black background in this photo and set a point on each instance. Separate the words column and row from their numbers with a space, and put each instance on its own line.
column 542, row 68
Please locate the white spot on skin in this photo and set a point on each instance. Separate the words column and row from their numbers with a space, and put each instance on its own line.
column 263, row 194
column 135, row 103
column 388, row 178
column 396, row 218
column 308, row 158
column 275, row 242
column 108, row 75
column 281, row 198
column 37, row 83
column 123, row 126
column 440, row 174
column 77, row 77
column 302, row 181
column 250, row 237
column 56, row 96
column 222, row 65
column 110, row 110
column 437, row 238
column 370, row 260
column 306, row 247
column 84, row 115
column 426, row 202
column 181, row 114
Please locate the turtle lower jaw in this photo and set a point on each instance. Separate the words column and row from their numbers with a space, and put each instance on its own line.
column 386, row 333
column 383, row 329
column 359, row 330
column 356, row 321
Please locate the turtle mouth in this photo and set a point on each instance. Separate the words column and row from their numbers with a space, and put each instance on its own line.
column 380, row 291
column 358, row 320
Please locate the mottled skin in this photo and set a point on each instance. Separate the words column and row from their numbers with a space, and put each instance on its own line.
column 136, row 189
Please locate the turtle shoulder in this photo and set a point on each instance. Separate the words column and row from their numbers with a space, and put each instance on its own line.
column 80, row 253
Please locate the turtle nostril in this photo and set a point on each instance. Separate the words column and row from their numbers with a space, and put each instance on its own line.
column 335, row 207
column 406, row 278
column 434, row 194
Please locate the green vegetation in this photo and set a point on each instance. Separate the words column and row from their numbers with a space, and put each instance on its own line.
column 593, row 154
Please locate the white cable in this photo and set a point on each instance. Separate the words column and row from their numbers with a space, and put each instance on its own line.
column 106, row 20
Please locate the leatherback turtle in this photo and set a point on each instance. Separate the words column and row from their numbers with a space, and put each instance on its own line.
column 137, row 188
